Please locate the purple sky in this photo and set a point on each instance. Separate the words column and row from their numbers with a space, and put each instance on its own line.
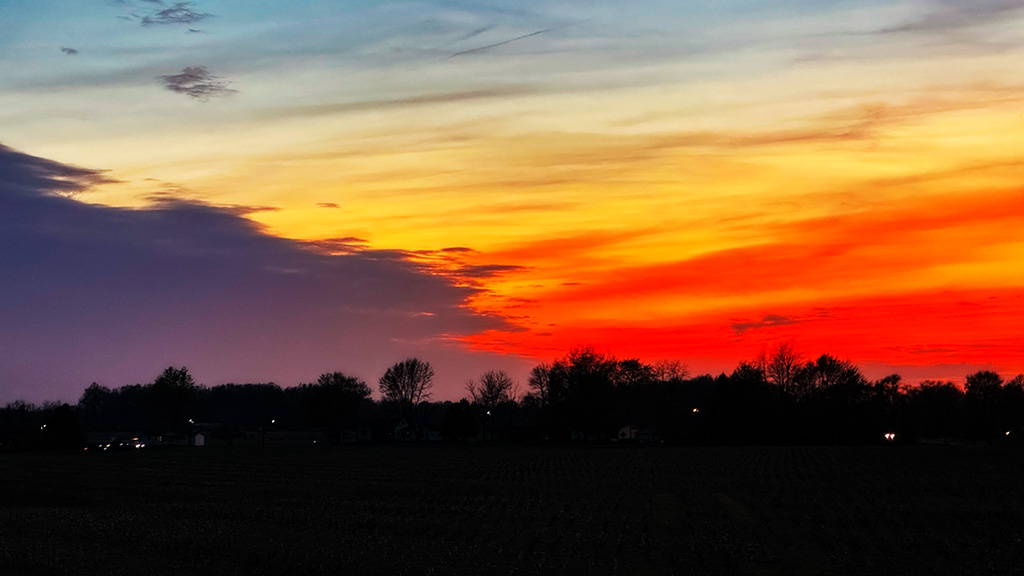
column 114, row 295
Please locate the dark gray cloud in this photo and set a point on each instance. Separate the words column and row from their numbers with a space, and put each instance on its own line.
column 68, row 51
column 196, row 82
column 151, row 13
column 114, row 295
column 480, row 271
column 24, row 175
column 768, row 321
column 179, row 13
column 453, row 263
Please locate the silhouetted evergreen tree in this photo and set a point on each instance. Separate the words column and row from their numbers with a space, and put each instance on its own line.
column 248, row 406
column 937, row 409
column 579, row 393
column 171, row 398
column 1011, row 407
column 458, row 422
column 334, row 403
column 96, row 407
column 62, row 430
column 746, row 408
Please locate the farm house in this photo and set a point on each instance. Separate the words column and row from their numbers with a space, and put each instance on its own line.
column 632, row 432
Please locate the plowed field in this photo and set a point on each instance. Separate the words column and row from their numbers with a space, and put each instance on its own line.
column 499, row 509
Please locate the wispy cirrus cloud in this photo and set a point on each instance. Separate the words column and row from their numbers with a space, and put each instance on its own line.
column 949, row 16
column 197, row 82
column 437, row 98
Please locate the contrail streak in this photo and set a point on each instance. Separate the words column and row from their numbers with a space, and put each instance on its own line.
column 511, row 40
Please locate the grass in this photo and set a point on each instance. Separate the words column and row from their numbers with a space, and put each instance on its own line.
column 499, row 509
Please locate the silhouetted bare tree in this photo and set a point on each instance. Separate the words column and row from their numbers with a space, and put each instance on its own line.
column 781, row 367
column 633, row 372
column 670, row 370
column 492, row 388
column 408, row 384
column 983, row 384
column 491, row 392
column 540, row 384
column 888, row 389
column 829, row 378
column 981, row 395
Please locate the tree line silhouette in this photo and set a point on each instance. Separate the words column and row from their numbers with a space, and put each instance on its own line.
column 779, row 397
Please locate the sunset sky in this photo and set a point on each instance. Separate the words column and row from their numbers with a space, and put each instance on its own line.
column 264, row 190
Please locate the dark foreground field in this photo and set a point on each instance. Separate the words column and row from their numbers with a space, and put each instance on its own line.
column 492, row 509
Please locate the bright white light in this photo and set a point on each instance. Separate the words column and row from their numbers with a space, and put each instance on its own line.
column 488, row 412
column 889, row 436
column 1007, row 432
column 696, row 410
column 272, row 421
